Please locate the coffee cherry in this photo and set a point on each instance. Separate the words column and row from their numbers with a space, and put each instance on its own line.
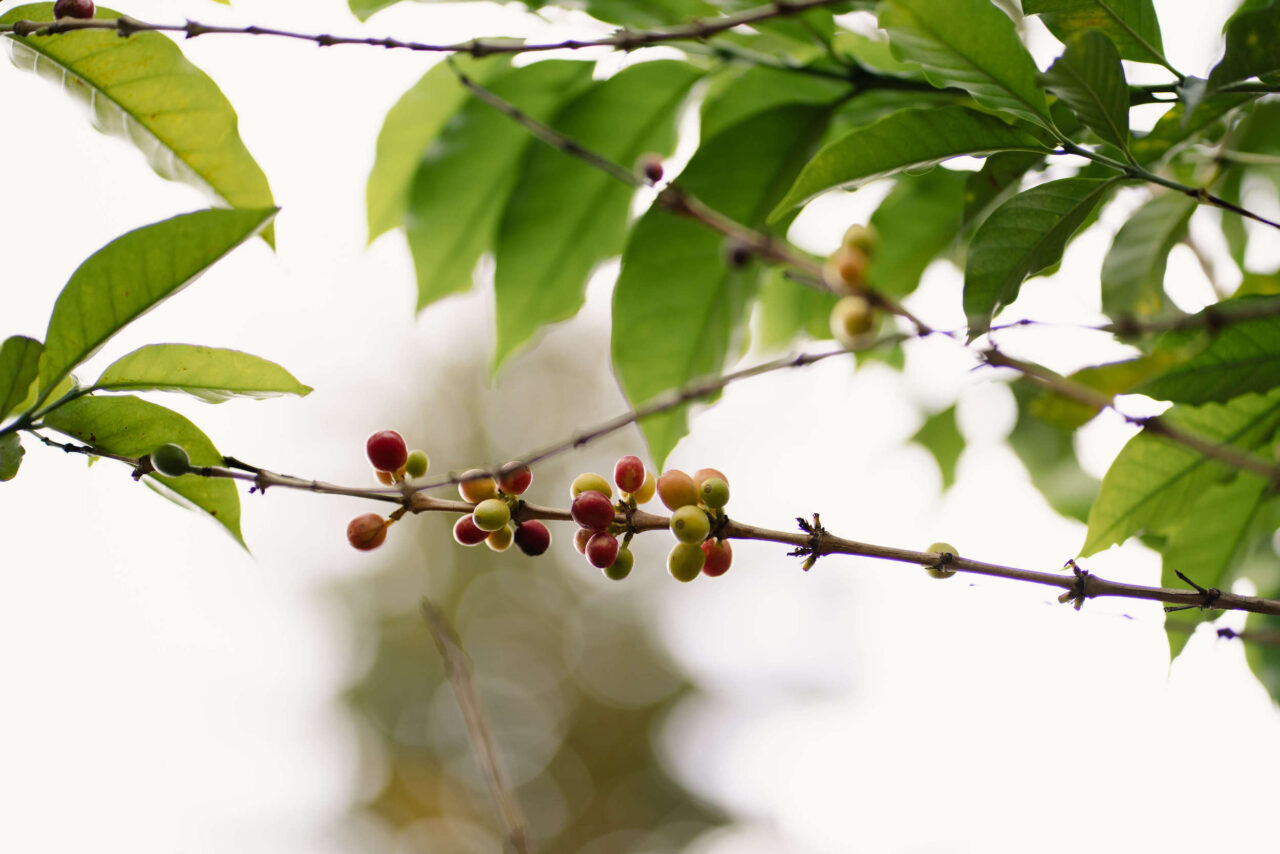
column 387, row 450
column 701, row 476
column 475, row 485
column 690, row 524
column 851, row 319
column 367, row 532
column 845, row 271
column 685, row 561
column 514, row 478
column 73, row 9
column 719, row 555
column 590, row 482
column 647, row 490
column 863, row 237
column 946, row 552
column 500, row 540
column 533, row 538
column 384, row 477
column 714, row 493
column 650, row 166
column 491, row 514
column 592, row 510
column 417, row 463
column 629, row 474
column 466, row 532
column 676, row 489
column 602, row 550
column 580, row 538
column 621, row 566
column 171, row 460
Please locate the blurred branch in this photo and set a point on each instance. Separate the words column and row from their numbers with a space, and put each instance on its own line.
column 457, row 667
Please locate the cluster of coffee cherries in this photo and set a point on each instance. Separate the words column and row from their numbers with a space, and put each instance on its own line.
column 697, row 504
column 594, row 511
column 845, row 273
column 493, row 521
column 393, row 463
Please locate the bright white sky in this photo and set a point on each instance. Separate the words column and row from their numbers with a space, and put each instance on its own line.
column 167, row 692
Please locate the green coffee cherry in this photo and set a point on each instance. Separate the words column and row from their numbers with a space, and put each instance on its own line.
column 939, row 571
column 491, row 514
column 416, row 464
column 621, row 566
column 685, row 561
column 714, row 493
column 690, row 524
column 171, row 460
column 590, row 482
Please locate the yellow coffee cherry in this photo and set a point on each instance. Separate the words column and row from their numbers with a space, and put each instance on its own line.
column 851, row 319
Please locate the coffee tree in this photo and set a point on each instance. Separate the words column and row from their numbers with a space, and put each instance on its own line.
column 538, row 165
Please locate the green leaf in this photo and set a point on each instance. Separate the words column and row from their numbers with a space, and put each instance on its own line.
column 10, row 456
column 677, row 308
column 907, row 139
column 1209, row 542
column 970, row 44
column 564, row 216
column 940, row 436
column 1242, row 357
column 1131, row 25
column 464, row 179
column 1109, row 379
column 1177, row 129
column 787, row 309
column 1089, row 79
column 1000, row 176
column 1023, row 236
column 1048, row 452
column 19, row 365
column 1252, row 40
column 1153, row 482
column 211, row 374
column 134, row 273
column 1133, row 270
column 759, row 89
column 143, row 89
column 409, row 128
column 133, row 428
column 917, row 220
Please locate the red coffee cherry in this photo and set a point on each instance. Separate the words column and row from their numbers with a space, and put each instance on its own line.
column 367, row 532
column 514, row 478
column 602, row 550
column 467, row 533
column 73, row 9
column 629, row 474
column 719, row 556
column 533, row 538
column 592, row 510
column 387, row 450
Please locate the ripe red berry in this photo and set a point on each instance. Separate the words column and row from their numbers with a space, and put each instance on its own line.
column 467, row 533
column 629, row 474
column 592, row 510
column 387, row 450
column 514, row 478
column 719, row 556
column 367, row 532
column 73, row 9
column 533, row 538
column 602, row 550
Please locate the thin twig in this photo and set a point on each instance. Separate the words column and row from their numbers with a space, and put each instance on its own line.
column 457, row 667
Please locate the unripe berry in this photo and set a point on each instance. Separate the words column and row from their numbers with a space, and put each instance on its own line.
column 384, row 477
column 701, row 476
column 514, row 478
column 862, row 237
column 851, row 319
column 719, row 555
column 491, row 514
column 592, row 510
column 650, row 166
column 500, row 540
column 940, row 571
column 580, row 538
column 590, row 482
column 417, row 463
column 171, row 460
column 73, row 9
column 845, row 271
column 647, row 490
column 676, row 489
column 690, row 524
column 466, row 532
column 367, row 532
column 533, row 538
column 685, row 561
column 629, row 474
column 387, row 450
column 475, row 485
column 602, row 550
column 621, row 566
column 714, row 493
